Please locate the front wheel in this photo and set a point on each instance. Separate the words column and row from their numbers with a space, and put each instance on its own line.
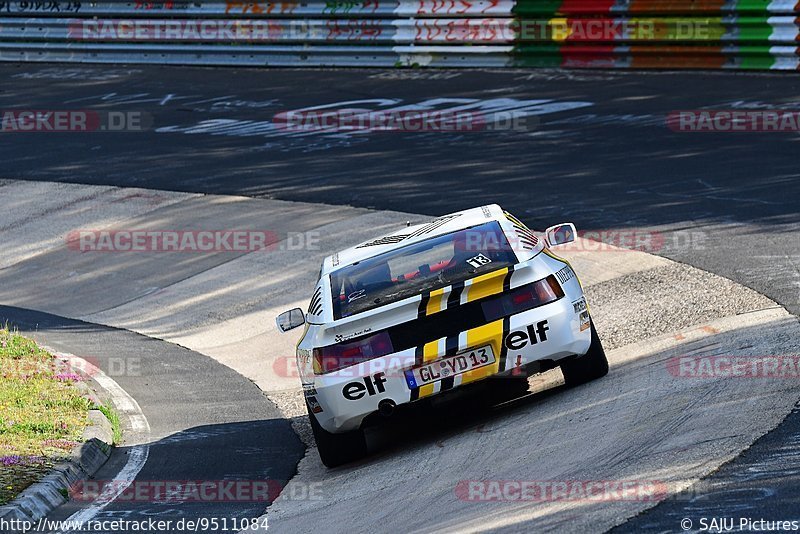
column 338, row 449
column 588, row 367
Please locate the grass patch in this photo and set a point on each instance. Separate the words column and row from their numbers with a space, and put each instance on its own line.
column 42, row 413
column 113, row 418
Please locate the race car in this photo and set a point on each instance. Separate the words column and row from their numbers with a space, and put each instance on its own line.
column 468, row 298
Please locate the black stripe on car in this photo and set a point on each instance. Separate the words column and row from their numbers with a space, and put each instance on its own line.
column 451, row 349
column 507, row 279
column 454, row 299
column 501, row 366
column 423, row 305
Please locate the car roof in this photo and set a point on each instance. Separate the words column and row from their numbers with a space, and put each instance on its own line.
column 413, row 234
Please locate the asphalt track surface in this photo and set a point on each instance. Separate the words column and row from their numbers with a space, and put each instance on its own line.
column 597, row 152
column 199, row 412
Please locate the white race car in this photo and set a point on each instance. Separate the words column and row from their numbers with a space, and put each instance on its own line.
column 431, row 309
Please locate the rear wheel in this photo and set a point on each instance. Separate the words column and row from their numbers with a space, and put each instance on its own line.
column 588, row 367
column 338, row 449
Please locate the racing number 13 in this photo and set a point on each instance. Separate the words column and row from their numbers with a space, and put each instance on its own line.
column 483, row 357
column 479, row 260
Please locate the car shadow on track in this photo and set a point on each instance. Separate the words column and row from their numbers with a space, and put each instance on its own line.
column 461, row 412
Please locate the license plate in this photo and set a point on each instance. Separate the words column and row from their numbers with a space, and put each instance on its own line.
column 450, row 366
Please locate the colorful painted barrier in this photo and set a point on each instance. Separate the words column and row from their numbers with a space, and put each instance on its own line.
column 665, row 34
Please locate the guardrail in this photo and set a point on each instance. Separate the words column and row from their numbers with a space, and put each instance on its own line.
column 743, row 34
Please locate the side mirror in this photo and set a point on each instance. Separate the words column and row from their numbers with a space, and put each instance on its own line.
column 560, row 234
column 290, row 319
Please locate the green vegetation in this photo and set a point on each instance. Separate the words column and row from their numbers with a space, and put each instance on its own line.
column 113, row 418
column 42, row 413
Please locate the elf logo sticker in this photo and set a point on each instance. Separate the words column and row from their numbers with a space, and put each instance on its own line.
column 371, row 385
column 534, row 334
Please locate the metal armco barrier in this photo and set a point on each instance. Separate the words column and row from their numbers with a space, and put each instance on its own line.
column 743, row 34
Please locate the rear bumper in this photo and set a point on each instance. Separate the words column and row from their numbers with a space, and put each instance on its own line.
column 548, row 334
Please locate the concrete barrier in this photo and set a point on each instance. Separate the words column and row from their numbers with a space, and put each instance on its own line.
column 746, row 34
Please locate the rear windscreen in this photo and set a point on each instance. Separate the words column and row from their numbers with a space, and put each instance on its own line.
column 424, row 266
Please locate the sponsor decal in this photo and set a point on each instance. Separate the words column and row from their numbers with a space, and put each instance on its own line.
column 519, row 339
column 371, row 385
column 585, row 322
column 338, row 338
column 582, row 311
column 355, row 295
column 565, row 274
column 314, row 405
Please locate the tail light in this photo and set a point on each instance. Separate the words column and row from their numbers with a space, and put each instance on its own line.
column 335, row 357
column 523, row 298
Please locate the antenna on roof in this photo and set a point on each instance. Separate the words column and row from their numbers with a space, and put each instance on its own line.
column 408, row 223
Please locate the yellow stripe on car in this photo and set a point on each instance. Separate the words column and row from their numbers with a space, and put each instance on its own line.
column 429, row 353
column 489, row 334
column 486, row 285
column 435, row 302
column 514, row 219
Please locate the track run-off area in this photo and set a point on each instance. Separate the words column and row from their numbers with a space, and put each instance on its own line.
column 595, row 149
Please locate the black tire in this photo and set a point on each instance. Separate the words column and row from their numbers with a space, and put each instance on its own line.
column 338, row 449
column 588, row 367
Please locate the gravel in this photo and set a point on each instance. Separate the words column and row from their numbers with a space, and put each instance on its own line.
column 292, row 405
column 666, row 299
